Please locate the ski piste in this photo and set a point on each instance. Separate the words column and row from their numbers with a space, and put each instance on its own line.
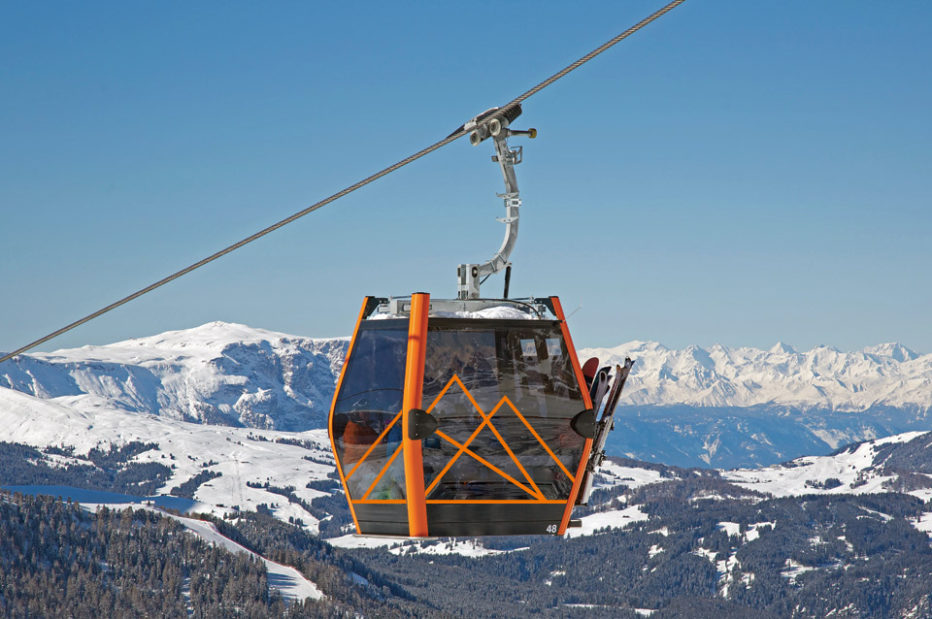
column 603, row 427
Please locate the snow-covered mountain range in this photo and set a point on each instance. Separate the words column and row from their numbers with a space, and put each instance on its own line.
column 237, row 415
column 722, row 407
column 230, row 419
column 888, row 375
column 232, row 374
column 218, row 373
column 731, row 407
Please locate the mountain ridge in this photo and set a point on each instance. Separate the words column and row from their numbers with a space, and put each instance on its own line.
column 752, row 538
column 218, row 373
column 716, row 407
column 887, row 374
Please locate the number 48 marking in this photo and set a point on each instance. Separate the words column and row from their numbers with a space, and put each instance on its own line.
column 551, row 528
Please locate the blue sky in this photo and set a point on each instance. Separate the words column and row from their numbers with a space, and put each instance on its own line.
column 736, row 173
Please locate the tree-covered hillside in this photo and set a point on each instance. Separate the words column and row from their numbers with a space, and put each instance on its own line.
column 59, row 561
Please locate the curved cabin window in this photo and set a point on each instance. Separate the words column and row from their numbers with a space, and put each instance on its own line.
column 504, row 394
column 367, row 413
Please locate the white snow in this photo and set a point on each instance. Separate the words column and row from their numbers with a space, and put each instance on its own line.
column 495, row 312
column 887, row 375
column 808, row 475
column 614, row 519
column 351, row 540
column 924, row 523
column 240, row 455
column 177, row 373
column 286, row 579
column 554, row 574
column 793, row 569
column 876, row 514
column 464, row 547
column 726, row 569
column 216, row 373
column 754, row 530
column 283, row 578
column 201, row 343
column 611, row 474
column 848, row 545
column 403, row 546
column 923, row 494
column 706, row 553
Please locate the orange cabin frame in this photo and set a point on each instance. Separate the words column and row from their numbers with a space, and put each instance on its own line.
column 503, row 457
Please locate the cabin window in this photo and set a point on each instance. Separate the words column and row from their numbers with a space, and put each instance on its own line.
column 367, row 414
column 504, row 394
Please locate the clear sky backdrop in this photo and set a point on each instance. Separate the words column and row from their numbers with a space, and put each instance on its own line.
column 740, row 172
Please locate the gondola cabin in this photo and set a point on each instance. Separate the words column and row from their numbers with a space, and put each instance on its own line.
column 470, row 416
column 461, row 418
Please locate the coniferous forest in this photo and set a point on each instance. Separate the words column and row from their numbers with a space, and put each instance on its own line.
column 704, row 548
column 57, row 560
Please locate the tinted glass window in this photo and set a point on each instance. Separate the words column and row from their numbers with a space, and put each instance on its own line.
column 368, row 407
column 504, row 395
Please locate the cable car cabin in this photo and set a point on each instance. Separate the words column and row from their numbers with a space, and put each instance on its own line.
column 470, row 416
column 461, row 418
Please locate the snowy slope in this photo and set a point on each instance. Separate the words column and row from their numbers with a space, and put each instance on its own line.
column 866, row 468
column 287, row 580
column 888, row 375
column 218, row 373
column 240, row 456
column 895, row 464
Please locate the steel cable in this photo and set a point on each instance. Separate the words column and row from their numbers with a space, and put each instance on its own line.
column 426, row 151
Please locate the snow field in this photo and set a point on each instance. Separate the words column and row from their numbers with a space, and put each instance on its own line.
column 612, row 519
column 808, row 475
column 240, row 455
column 402, row 546
column 822, row 378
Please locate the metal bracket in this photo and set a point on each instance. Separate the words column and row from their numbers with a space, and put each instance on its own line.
column 470, row 276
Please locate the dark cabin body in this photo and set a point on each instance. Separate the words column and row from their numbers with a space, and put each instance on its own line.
column 497, row 455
